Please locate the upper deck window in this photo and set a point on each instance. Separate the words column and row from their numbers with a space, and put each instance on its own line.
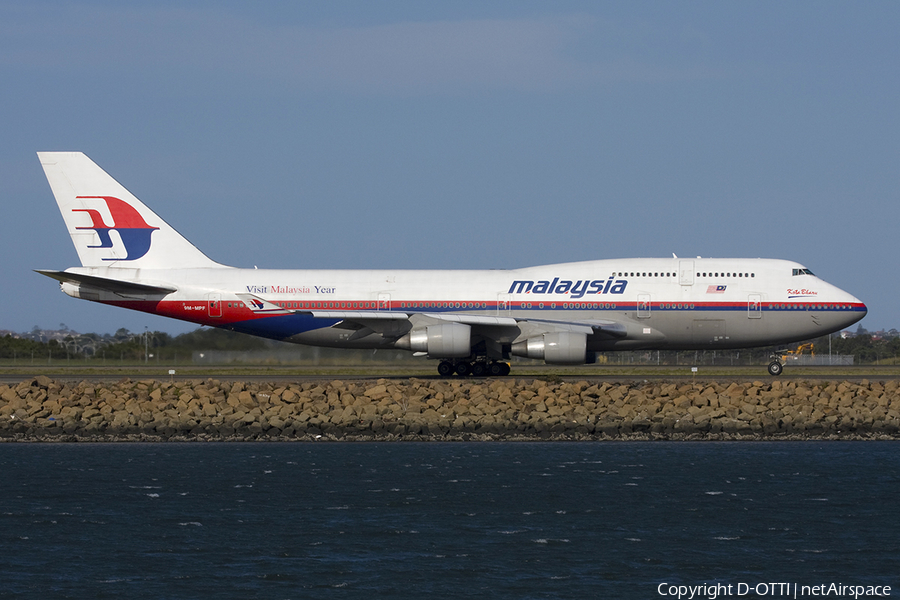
column 802, row 272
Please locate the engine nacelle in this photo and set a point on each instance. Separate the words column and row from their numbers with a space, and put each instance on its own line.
column 561, row 348
column 449, row 340
column 76, row 290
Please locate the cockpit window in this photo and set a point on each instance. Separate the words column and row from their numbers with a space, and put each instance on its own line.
column 802, row 272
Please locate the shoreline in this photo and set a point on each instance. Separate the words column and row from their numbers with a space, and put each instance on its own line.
column 41, row 409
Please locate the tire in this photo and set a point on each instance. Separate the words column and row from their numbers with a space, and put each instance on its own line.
column 445, row 369
column 504, row 369
column 775, row 368
column 463, row 369
column 479, row 369
column 495, row 369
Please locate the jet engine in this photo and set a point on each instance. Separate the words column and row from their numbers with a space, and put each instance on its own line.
column 449, row 340
column 560, row 348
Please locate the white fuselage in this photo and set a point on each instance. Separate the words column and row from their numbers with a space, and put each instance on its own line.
column 662, row 303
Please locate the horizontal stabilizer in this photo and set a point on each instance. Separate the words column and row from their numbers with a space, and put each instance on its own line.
column 116, row 286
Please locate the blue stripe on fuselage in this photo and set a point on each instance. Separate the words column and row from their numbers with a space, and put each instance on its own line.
column 280, row 327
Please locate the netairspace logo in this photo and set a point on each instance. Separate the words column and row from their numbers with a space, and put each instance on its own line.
column 787, row 590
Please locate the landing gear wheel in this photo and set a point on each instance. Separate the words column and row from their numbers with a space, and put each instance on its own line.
column 463, row 369
column 445, row 368
column 495, row 369
column 775, row 368
column 479, row 369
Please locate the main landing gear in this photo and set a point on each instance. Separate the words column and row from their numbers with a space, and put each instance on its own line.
column 478, row 368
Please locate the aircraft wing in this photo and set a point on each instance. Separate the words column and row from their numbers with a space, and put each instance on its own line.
column 115, row 286
column 499, row 329
column 502, row 327
column 402, row 316
column 614, row 329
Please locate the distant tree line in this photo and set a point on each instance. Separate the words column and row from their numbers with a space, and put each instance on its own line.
column 867, row 348
column 127, row 345
column 160, row 346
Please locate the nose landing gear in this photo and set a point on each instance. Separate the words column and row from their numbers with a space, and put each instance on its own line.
column 775, row 367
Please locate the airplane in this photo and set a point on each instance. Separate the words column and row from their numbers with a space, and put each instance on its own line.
column 470, row 321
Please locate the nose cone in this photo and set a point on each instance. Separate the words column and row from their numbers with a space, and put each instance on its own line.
column 857, row 311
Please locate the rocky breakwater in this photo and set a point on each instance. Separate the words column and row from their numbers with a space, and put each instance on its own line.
column 42, row 409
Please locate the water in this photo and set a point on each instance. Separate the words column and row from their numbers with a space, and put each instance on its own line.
column 452, row 520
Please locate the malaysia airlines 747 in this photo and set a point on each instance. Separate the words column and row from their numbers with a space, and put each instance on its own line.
column 471, row 321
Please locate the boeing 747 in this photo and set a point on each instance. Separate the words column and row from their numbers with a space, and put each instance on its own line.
column 470, row 321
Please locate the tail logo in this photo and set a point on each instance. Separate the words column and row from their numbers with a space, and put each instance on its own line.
column 133, row 230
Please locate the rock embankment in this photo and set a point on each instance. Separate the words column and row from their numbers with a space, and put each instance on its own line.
column 42, row 409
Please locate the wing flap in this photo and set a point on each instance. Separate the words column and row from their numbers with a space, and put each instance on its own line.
column 472, row 319
column 358, row 315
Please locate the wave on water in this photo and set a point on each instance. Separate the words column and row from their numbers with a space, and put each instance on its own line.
column 400, row 520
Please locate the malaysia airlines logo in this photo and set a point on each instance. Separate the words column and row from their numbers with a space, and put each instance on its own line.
column 130, row 225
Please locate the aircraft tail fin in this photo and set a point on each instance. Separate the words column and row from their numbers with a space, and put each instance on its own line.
column 109, row 226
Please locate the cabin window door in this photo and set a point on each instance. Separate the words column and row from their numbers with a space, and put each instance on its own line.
column 502, row 304
column 214, row 305
column 643, row 306
column 754, row 306
column 384, row 301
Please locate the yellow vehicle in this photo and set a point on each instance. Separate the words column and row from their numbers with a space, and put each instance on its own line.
column 795, row 354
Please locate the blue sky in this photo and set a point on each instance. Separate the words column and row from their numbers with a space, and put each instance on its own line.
column 459, row 135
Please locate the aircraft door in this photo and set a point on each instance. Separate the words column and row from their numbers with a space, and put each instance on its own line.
column 643, row 306
column 214, row 305
column 754, row 306
column 686, row 272
column 503, row 304
column 384, row 301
